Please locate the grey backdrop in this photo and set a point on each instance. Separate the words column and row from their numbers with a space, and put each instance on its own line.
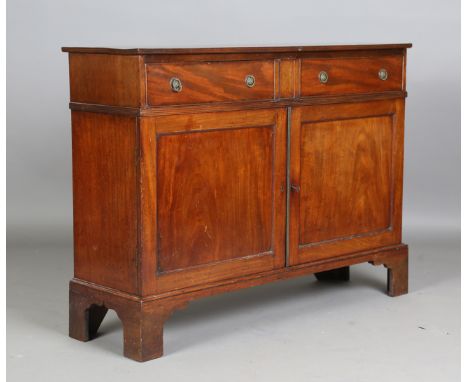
column 39, row 212
column 38, row 119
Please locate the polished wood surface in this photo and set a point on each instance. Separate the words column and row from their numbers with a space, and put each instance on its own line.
column 233, row 106
column 346, row 172
column 345, row 178
column 104, row 202
column 206, row 205
column 105, row 79
column 229, row 209
column 221, row 186
column 286, row 79
column 245, row 50
column 143, row 318
column 351, row 75
column 210, row 82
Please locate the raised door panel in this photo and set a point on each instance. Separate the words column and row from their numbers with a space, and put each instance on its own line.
column 217, row 181
column 346, row 174
column 214, row 196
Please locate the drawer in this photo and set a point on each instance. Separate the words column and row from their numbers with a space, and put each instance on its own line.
column 187, row 83
column 334, row 76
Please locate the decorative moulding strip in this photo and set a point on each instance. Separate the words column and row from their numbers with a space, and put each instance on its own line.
column 233, row 106
column 377, row 256
column 283, row 49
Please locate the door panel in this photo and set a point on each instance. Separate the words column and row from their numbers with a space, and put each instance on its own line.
column 219, row 192
column 345, row 178
column 206, row 205
column 346, row 163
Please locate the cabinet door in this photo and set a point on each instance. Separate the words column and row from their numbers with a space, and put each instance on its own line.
column 346, row 178
column 213, row 196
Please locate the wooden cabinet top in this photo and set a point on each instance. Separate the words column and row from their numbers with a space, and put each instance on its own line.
column 224, row 50
column 155, row 81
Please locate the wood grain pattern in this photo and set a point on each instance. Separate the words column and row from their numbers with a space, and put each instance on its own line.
column 234, row 106
column 254, row 146
column 330, row 212
column 245, row 50
column 179, row 196
column 387, row 256
column 142, row 322
column 351, row 75
column 209, row 82
column 345, row 178
column 206, row 205
column 256, row 56
column 104, row 199
column 143, row 318
column 287, row 78
column 105, row 79
column 397, row 272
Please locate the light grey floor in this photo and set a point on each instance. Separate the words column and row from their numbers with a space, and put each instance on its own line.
column 296, row 330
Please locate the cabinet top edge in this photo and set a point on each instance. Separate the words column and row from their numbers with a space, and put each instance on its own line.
column 227, row 50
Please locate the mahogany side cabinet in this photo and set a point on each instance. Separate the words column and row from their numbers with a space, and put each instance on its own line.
column 203, row 171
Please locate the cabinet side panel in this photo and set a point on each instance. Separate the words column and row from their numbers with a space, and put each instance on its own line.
column 104, row 199
column 105, row 79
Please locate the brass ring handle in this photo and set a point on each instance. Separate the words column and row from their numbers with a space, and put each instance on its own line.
column 323, row 77
column 250, row 80
column 176, row 84
column 383, row 74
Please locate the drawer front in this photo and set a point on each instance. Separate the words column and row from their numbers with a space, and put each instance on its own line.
column 335, row 76
column 188, row 83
